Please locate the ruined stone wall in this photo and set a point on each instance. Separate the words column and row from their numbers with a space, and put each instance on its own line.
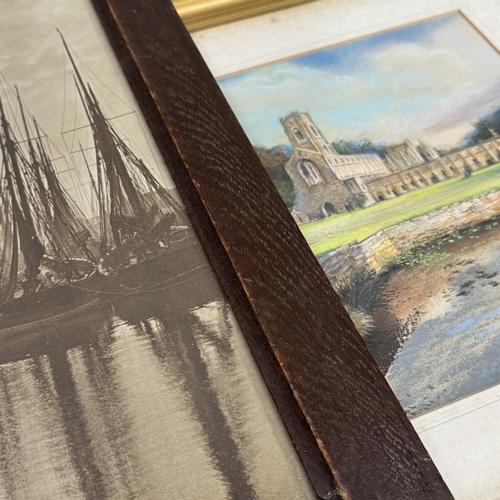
column 453, row 165
column 310, row 199
column 381, row 248
column 349, row 166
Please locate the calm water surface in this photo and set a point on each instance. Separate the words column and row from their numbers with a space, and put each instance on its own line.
column 456, row 352
column 141, row 400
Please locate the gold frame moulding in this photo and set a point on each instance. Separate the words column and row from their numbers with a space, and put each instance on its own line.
column 201, row 14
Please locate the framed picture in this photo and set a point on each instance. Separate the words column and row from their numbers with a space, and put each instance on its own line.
column 322, row 109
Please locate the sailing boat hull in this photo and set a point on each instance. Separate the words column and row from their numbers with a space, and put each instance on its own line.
column 178, row 270
column 52, row 306
column 174, row 267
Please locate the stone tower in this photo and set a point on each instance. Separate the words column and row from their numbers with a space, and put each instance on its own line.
column 318, row 191
column 326, row 183
column 304, row 134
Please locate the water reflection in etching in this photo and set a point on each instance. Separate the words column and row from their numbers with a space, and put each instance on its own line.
column 143, row 399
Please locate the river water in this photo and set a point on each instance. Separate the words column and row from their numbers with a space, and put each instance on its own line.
column 455, row 351
column 152, row 398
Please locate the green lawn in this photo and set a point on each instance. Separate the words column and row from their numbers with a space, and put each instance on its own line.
column 335, row 231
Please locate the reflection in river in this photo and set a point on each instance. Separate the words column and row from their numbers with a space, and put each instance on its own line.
column 143, row 399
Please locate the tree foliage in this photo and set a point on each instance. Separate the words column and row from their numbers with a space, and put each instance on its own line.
column 352, row 147
column 482, row 129
column 274, row 161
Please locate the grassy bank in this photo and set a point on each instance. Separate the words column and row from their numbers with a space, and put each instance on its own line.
column 338, row 230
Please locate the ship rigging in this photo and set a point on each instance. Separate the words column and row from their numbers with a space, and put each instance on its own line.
column 51, row 248
column 135, row 211
column 38, row 220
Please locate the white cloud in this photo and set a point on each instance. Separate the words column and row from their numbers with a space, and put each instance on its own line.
column 394, row 91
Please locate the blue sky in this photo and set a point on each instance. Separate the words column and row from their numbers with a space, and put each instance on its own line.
column 430, row 80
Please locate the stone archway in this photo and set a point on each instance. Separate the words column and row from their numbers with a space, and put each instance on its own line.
column 434, row 179
column 328, row 209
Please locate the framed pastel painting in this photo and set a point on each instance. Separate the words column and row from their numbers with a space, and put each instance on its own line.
column 387, row 153
column 384, row 144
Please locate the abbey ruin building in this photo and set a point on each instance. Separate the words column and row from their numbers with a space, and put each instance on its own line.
column 327, row 183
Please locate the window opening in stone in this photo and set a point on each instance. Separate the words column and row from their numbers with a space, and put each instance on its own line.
column 298, row 134
column 310, row 173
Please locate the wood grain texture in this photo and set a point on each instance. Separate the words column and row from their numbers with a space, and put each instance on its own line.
column 341, row 414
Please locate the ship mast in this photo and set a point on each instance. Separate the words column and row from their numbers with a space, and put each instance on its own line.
column 35, row 164
column 70, row 231
column 22, row 211
column 135, row 203
column 123, row 197
column 10, row 234
column 36, row 211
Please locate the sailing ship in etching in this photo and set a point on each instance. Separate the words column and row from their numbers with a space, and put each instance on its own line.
column 54, row 263
column 45, row 238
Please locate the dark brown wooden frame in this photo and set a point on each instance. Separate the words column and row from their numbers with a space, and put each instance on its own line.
column 348, row 428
